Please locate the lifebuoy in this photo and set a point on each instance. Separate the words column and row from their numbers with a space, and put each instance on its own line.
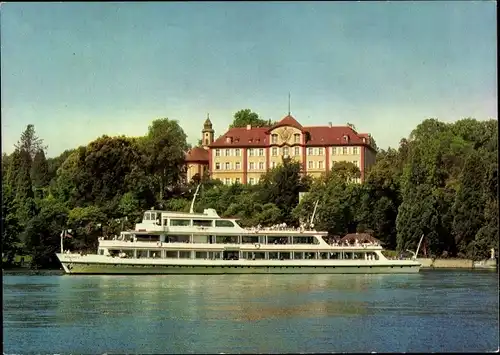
column 257, row 245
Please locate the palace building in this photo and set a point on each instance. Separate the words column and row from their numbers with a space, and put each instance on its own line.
column 244, row 154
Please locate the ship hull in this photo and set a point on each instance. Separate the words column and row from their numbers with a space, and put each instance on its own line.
column 92, row 265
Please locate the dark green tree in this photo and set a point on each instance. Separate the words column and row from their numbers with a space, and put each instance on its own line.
column 40, row 171
column 30, row 142
column 166, row 145
column 24, row 189
column 281, row 186
column 245, row 117
column 10, row 225
column 468, row 208
column 42, row 234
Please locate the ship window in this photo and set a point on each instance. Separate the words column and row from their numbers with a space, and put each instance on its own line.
column 310, row 255
column 156, row 254
column 298, row 255
column 180, row 222
column 259, row 255
column 323, row 255
column 184, row 255
column 249, row 239
column 214, row 255
column 178, row 239
column 142, row 254
column 172, row 254
column 335, row 255
column 305, row 240
column 147, row 216
column 202, row 222
column 226, row 239
column 277, row 240
column 200, row 239
column 273, row 256
column 201, row 255
column 285, row 255
column 224, row 223
column 101, row 251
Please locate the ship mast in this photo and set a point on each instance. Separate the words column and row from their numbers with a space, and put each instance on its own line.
column 314, row 212
column 191, row 209
column 418, row 247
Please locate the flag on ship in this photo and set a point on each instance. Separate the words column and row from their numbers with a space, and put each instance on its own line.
column 66, row 234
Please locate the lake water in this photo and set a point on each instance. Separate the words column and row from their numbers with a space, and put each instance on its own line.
column 432, row 311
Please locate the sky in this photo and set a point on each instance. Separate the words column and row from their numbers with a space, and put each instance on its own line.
column 80, row 70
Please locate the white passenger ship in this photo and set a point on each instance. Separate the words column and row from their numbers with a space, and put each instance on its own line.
column 204, row 243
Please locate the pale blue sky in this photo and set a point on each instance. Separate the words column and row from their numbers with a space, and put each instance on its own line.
column 80, row 70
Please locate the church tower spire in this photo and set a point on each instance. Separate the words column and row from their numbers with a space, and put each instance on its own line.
column 207, row 134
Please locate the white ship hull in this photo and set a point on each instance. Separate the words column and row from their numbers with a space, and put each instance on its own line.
column 97, row 264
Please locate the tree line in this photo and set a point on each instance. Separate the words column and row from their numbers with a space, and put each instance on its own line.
column 440, row 182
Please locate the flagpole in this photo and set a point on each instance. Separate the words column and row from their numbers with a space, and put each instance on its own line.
column 62, row 237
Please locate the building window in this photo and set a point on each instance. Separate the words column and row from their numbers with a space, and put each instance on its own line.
column 344, row 150
column 228, row 166
column 310, row 151
column 252, row 166
column 285, row 151
column 355, row 150
column 320, row 151
column 261, row 152
column 228, row 152
column 355, row 162
column 237, row 180
column 297, row 151
column 334, row 150
column 228, row 181
column 296, row 138
column 251, row 181
column 274, row 151
column 320, row 165
column 237, row 152
column 261, row 165
column 311, row 164
column 250, row 152
column 274, row 138
column 217, row 166
column 273, row 164
column 217, row 152
column 237, row 165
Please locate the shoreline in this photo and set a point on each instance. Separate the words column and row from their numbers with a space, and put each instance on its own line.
column 428, row 263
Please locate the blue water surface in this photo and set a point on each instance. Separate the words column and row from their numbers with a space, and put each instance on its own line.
column 432, row 311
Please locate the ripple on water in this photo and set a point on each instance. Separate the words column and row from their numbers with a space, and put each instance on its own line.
column 251, row 313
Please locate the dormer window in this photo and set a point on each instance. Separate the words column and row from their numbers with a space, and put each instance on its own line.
column 346, row 138
column 364, row 140
column 229, row 140
column 274, row 138
column 296, row 138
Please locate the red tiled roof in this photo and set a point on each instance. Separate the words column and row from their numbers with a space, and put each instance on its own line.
column 326, row 135
column 242, row 136
column 197, row 154
column 319, row 135
column 287, row 121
